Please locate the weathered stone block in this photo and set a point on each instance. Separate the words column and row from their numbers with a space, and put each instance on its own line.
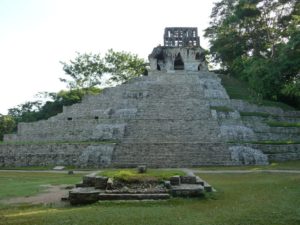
column 188, row 179
column 207, row 187
column 79, row 196
column 187, row 190
column 101, row 182
column 89, row 180
column 175, row 180
column 167, row 184
column 127, row 196
column 110, row 184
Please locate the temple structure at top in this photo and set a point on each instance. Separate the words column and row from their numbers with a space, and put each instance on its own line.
column 181, row 51
column 181, row 37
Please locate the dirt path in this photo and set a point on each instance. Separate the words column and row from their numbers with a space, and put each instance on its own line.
column 52, row 194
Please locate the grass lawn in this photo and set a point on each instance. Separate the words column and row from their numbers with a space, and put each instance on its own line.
column 289, row 165
column 242, row 199
column 13, row 184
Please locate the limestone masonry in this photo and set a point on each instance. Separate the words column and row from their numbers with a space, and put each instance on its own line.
column 170, row 118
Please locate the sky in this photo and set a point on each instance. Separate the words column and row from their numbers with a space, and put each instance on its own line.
column 35, row 35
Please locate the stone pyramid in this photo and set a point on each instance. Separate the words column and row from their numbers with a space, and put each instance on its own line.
column 169, row 118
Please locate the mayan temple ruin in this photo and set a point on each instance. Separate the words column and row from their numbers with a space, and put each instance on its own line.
column 173, row 117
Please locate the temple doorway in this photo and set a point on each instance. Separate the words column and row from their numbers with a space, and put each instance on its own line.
column 178, row 63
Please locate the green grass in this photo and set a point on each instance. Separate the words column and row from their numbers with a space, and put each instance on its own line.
column 266, row 142
column 280, row 142
column 131, row 175
column 260, row 114
column 28, row 168
column 289, row 165
column 13, row 184
column 242, row 199
column 237, row 89
column 222, row 108
column 282, row 124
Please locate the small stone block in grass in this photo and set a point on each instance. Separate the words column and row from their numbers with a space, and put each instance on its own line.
column 142, row 169
column 207, row 187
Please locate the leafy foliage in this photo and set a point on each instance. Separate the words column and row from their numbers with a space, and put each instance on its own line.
column 87, row 70
column 123, row 66
column 258, row 41
column 36, row 110
column 7, row 125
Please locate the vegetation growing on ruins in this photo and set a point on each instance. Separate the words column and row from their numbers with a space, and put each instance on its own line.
column 282, row 124
column 267, row 142
column 241, row 199
column 258, row 42
column 132, row 175
column 287, row 165
column 7, row 125
column 239, row 89
column 260, row 114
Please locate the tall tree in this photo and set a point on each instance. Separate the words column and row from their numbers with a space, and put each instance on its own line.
column 123, row 66
column 84, row 71
column 253, row 40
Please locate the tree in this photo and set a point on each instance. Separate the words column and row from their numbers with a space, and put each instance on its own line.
column 84, row 71
column 84, row 77
column 37, row 110
column 256, row 40
column 123, row 66
column 7, row 125
column 25, row 112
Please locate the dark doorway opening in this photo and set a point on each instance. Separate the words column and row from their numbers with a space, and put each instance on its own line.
column 158, row 67
column 178, row 63
column 199, row 67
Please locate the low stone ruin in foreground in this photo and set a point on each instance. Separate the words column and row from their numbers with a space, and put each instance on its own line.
column 98, row 188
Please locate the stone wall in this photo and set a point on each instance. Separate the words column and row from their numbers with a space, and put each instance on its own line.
column 161, row 120
column 50, row 154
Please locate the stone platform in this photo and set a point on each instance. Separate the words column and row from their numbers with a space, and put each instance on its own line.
column 89, row 191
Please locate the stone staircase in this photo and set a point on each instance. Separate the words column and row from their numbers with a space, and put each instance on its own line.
column 261, row 127
column 160, row 120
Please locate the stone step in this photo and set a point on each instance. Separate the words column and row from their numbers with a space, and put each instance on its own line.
column 127, row 196
column 187, row 190
column 83, row 195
